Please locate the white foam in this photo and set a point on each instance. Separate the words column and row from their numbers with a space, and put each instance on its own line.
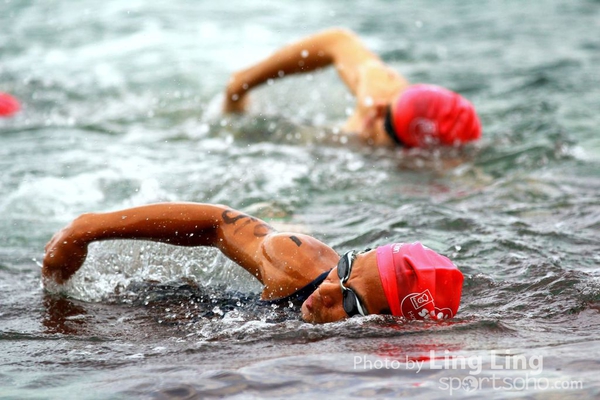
column 53, row 195
column 111, row 266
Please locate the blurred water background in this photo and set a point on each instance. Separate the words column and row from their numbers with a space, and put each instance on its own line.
column 121, row 107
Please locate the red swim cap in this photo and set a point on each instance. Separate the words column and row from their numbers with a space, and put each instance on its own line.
column 418, row 282
column 8, row 105
column 425, row 115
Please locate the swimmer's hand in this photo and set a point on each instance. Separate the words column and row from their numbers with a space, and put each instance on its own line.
column 236, row 100
column 65, row 253
column 238, row 106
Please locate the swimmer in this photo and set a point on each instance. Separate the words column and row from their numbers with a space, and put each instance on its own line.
column 388, row 111
column 406, row 280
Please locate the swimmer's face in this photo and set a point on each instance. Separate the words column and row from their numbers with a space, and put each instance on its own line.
column 373, row 131
column 325, row 304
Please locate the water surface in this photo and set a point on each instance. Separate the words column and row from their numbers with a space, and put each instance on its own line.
column 121, row 108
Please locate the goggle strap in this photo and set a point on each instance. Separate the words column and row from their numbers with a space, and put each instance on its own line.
column 359, row 306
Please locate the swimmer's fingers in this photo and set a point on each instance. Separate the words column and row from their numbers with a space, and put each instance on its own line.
column 238, row 106
column 64, row 256
column 236, row 99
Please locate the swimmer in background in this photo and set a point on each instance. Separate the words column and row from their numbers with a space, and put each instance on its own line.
column 389, row 111
column 8, row 105
column 406, row 280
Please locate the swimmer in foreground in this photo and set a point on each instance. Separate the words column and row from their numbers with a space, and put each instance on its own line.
column 389, row 111
column 405, row 280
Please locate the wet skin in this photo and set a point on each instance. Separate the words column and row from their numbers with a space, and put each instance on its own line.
column 325, row 304
column 282, row 262
column 372, row 129
column 373, row 83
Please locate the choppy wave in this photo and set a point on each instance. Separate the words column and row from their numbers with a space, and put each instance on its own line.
column 121, row 107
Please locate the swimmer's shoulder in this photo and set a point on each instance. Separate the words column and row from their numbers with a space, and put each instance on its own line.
column 378, row 81
column 291, row 261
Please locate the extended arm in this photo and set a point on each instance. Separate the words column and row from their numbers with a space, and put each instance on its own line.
column 335, row 46
column 236, row 234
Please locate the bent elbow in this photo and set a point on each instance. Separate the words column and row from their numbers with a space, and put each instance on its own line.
column 339, row 34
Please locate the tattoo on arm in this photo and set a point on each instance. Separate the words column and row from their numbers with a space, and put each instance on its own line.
column 296, row 240
column 260, row 228
column 232, row 220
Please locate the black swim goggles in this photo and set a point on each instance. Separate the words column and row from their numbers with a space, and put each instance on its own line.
column 389, row 127
column 352, row 304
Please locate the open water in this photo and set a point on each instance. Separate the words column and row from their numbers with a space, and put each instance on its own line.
column 121, row 108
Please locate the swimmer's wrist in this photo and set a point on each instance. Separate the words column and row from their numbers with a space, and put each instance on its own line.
column 235, row 96
column 236, row 88
column 83, row 229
